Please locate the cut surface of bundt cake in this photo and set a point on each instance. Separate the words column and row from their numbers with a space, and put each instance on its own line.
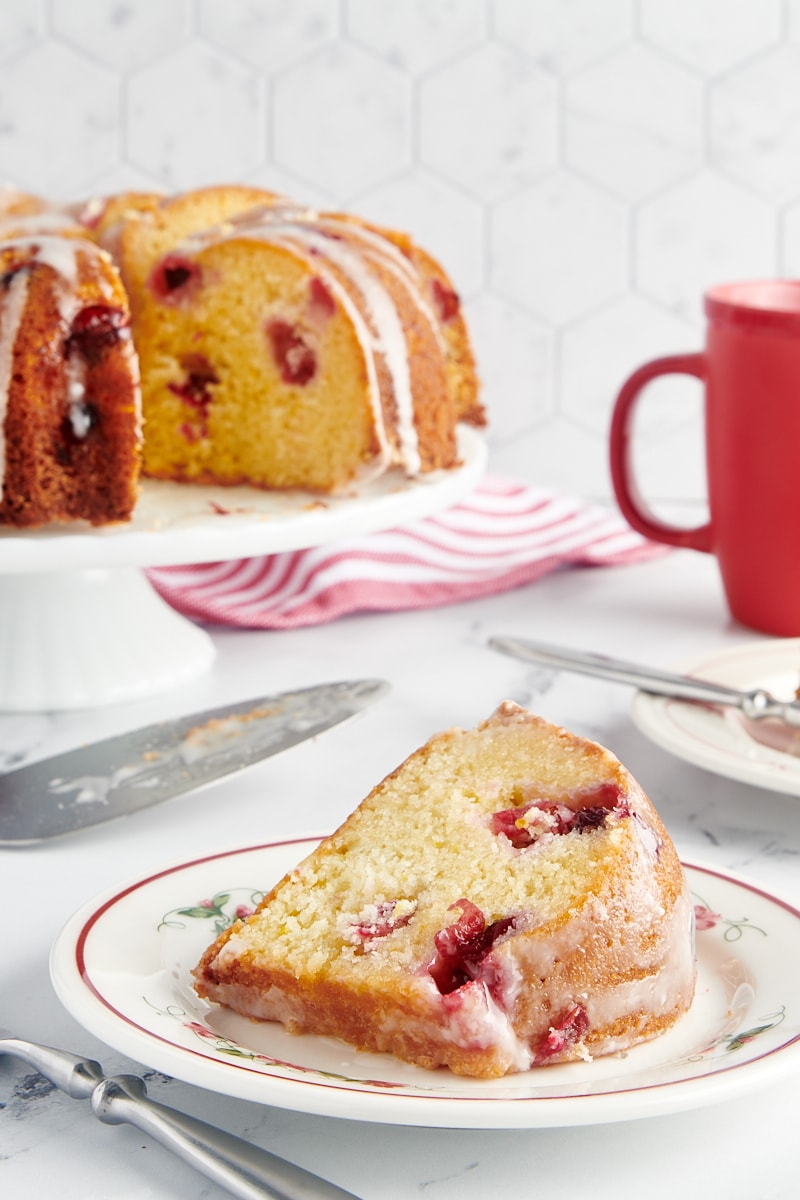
column 70, row 413
column 286, row 348
column 507, row 898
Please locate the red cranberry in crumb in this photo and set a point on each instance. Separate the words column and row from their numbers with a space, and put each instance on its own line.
column 295, row 358
column 526, row 824
column 94, row 329
column 566, row 1032
column 195, row 388
column 384, row 921
column 174, row 278
column 321, row 304
column 588, row 808
column 192, row 433
column 445, row 301
column 462, row 947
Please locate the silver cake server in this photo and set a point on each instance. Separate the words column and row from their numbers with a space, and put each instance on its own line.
column 121, row 775
column 755, row 705
column 238, row 1166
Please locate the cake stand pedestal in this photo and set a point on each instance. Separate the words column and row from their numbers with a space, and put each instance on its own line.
column 86, row 638
column 80, row 624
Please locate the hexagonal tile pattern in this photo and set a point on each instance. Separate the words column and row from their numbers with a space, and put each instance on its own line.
column 599, row 353
column 270, row 34
column 367, row 140
column 489, row 122
column 557, row 454
column 703, row 232
column 584, row 169
column 755, row 124
column 122, row 33
column 22, row 23
column 564, row 36
column 194, row 118
column 437, row 216
column 715, row 35
column 49, row 146
column 560, row 249
column 634, row 150
column 416, row 35
column 516, row 357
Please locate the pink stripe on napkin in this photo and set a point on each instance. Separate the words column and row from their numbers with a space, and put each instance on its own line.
column 503, row 535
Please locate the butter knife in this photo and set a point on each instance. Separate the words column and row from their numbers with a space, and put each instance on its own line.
column 124, row 774
column 755, row 705
column 240, row 1167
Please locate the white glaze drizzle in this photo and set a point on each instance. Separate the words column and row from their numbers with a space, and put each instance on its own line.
column 287, row 224
column 391, row 340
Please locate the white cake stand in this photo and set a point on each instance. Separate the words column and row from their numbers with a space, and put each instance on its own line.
column 80, row 624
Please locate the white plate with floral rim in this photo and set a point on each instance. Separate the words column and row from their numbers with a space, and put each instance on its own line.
column 721, row 740
column 122, row 965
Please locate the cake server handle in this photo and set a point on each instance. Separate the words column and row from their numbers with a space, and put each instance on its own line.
column 243, row 1169
column 238, row 1166
column 755, row 704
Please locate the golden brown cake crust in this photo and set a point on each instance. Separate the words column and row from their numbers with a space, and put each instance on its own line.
column 584, row 945
column 70, row 401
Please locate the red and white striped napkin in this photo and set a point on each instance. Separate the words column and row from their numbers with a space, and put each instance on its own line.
column 503, row 535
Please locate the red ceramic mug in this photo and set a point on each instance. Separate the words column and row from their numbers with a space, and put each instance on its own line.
column 751, row 372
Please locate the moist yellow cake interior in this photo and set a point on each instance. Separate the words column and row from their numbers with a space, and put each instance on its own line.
column 288, row 439
column 389, row 851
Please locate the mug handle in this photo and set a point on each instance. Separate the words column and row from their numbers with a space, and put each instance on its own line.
column 628, row 496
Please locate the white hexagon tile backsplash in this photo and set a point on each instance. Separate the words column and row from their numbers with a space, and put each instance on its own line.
column 584, row 168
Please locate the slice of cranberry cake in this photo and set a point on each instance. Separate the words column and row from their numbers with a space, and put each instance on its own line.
column 507, row 898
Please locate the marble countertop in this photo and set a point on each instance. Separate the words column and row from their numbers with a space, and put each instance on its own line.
column 441, row 673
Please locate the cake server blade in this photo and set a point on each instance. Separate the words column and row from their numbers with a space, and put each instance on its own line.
column 756, row 705
column 121, row 775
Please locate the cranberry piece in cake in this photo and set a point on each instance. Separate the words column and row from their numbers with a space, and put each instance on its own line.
column 296, row 360
column 586, row 808
column 174, row 278
column 95, row 329
column 378, row 920
column 462, row 947
column 567, row 1031
column 446, row 303
column 321, row 304
column 195, row 389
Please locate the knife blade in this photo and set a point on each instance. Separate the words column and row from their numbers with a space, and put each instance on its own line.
column 132, row 771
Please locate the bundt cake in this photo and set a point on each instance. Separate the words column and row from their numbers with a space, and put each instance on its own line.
column 70, row 417
column 286, row 348
column 276, row 347
column 507, row 898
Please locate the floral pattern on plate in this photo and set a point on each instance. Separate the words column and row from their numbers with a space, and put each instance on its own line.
column 122, row 966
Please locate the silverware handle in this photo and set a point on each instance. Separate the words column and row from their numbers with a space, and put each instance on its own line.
column 244, row 1170
column 754, row 704
column 76, row 1076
